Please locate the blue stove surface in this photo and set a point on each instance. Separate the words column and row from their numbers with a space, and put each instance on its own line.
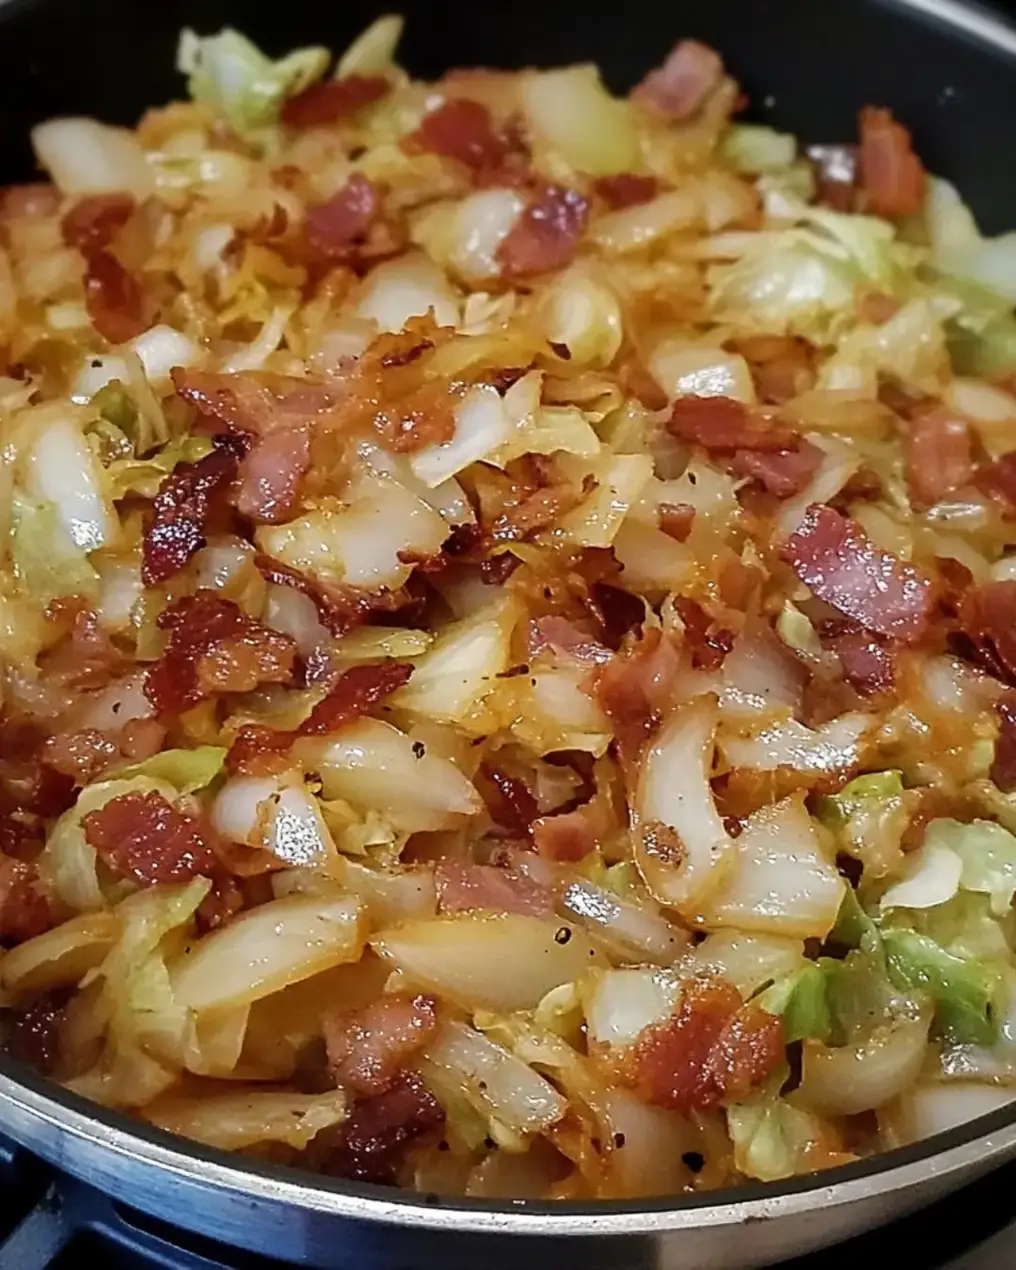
column 49, row 1221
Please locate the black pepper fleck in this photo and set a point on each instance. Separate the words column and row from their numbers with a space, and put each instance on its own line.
column 419, row 749
column 562, row 935
column 618, row 1140
column 694, row 1160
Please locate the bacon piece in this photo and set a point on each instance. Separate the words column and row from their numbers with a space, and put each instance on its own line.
column 782, row 472
column 566, row 639
column 627, row 189
column 508, row 799
column 546, row 235
column 462, row 887
column 891, row 174
column 268, row 485
column 535, row 512
column 340, row 608
column 113, row 299
column 222, row 902
column 634, row 687
column 567, row 837
column 462, row 129
column 332, row 226
column 334, row 100
column 367, row 1047
column 723, row 425
column 92, row 222
column 712, row 1050
column 142, row 836
column 1003, row 765
column 676, row 520
column 708, row 642
column 25, row 910
column 998, row 481
column 32, row 1036
column 867, row 663
column 82, row 755
column 175, row 530
column 355, row 692
column 29, row 202
column 214, row 647
column 640, row 384
column 836, row 175
column 372, row 1139
column 87, row 657
column 833, row 556
column 987, row 617
column 141, row 739
column 936, row 454
column 254, row 401
column 679, row 88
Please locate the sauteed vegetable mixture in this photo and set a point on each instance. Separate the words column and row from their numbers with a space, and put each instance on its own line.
column 508, row 627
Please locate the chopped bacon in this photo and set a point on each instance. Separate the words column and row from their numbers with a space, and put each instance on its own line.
column 176, row 527
column 1003, row 765
column 508, row 798
column 142, row 836
column 566, row 639
column 367, row 1047
column 546, row 235
column 937, row 455
column 340, row 607
column 28, row 202
column 782, row 472
column 372, row 1139
column 222, row 902
column 462, row 887
column 988, row 618
column 141, row 738
column 462, row 129
column 833, row 556
column 891, row 174
column 87, row 657
column 535, row 512
column 836, row 175
column 113, row 299
column 214, row 647
column 32, row 1035
column 618, row 612
column 25, row 910
column 712, row 1050
column 269, row 477
column 252, row 401
column 679, row 88
column 82, row 755
column 998, row 481
column 676, row 520
column 92, row 222
column 640, row 384
column 332, row 226
column 723, row 425
column 334, row 100
column 867, row 663
column 627, row 189
column 708, row 642
column 355, row 692
column 566, row 837
column 634, row 687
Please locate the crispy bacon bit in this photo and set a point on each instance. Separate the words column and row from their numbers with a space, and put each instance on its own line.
column 214, row 647
column 833, row 556
column 269, row 477
column 679, row 88
column 367, row 1047
column 25, row 910
column 340, row 608
column 222, row 903
column 566, row 837
column 32, row 1035
column 113, row 299
column 1003, row 765
column 635, row 686
column 180, row 513
column 988, row 618
column 565, row 639
column 936, row 452
column 867, row 663
column 508, row 799
column 892, row 176
column 355, row 692
column 709, row 643
column 462, row 129
column 28, row 202
column 142, row 836
column 332, row 226
column 998, row 481
column 640, row 384
column 92, row 222
column 87, row 657
column 334, row 100
column 253, row 401
column 618, row 612
column 627, row 189
column 723, row 425
column 546, row 235
column 83, row 755
column 462, row 887
column 372, row 1139
column 676, row 520
column 836, row 175
column 782, row 472
column 714, row 1049
column 535, row 512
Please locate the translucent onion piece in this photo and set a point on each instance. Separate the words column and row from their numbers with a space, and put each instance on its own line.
column 63, row 471
column 244, row 1119
column 620, row 481
column 777, row 879
column 673, row 800
column 480, row 224
column 238, row 812
column 836, row 746
column 60, row 957
column 935, row 879
column 839, row 465
column 481, row 425
column 266, row 949
column 84, row 156
column 683, row 369
column 572, row 114
column 620, row 1003
column 161, row 348
column 627, row 929
column 760, row 675
column 390, row 896
column 584, row 314
column 930, row 1108
column 645, row 1146
column 410, row 286
column 849, row 1079
column 633, row 228
column 747, row 961
column 464, row 958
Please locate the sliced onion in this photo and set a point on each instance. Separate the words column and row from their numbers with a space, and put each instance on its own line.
column 479, row 226
column 120, row 588
column 293, row 613
column 375, row 767
column 651, row 559
column 933, row 1108
column 266, row 949
column 628, row 930
column 238, row 811
column 934, row 880
column 162, row 348
column 760, row 675
column 633, row 228
column 674, row 799
column 556, row 712
column 583, row 313
column 621, row 1003
column 747, row 961
column 836, row 746
column 62, row 470
column 240, row 1119
column 390, row 896
column 118, row 703
column 494, row 1080
column 59, row 958
column 685, row 369
column 645, row 1147
column 481, row 425
column 464, row 958
column 777, row 880
column 839, row 465
column 84, row 156
column 849, row 1079
column 620, row 481
column 410, row 286
column 294, row 829
column 571, row 113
